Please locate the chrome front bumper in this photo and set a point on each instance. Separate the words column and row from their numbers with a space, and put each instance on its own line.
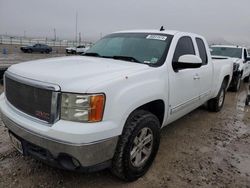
column 86, row 154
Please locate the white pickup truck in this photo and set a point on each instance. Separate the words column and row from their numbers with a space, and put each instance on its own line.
column 76, row 50
column 106, row 109
column 237, row 54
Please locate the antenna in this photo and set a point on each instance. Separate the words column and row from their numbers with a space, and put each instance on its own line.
column 162, row 28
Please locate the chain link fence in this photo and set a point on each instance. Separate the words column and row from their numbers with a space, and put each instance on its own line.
column 13, row 40
column 12, row 44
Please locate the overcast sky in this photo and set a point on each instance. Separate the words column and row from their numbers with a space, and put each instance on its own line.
column 215, row 19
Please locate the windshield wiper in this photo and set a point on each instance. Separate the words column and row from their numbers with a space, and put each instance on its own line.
column 126, row 58
column 92, row 54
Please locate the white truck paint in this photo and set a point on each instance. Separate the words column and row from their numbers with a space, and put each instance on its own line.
column 164, row 93
column 76, row 50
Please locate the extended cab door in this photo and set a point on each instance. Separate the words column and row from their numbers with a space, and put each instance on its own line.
column 205, row 71
column 184, row 88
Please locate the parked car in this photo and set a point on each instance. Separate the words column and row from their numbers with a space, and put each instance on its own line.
column 76, row 50
column 70, row 50
column 239, row 55
column 42, row 48
column 106, row 109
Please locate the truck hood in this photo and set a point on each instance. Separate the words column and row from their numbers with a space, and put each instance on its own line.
column 234, row 59
column 75, row 73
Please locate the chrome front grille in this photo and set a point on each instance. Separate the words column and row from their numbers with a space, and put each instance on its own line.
column 33, row 98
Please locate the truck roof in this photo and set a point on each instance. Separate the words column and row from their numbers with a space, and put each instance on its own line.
column 168, row 32
column 227, row 46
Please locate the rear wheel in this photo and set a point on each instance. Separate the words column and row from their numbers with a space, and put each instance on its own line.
column 216, row 104
column 236, row 86
column 247, row 100
column 137, row 146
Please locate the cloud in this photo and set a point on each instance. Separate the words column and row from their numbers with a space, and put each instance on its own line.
column 224, row 19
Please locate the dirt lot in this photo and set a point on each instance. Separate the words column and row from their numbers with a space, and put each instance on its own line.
column 202, row 149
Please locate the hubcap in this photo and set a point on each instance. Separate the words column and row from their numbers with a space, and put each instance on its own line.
column 221, row 99
column 142, row 147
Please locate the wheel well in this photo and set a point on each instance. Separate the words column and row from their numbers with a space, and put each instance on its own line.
column 156, row 107
column 226, row 80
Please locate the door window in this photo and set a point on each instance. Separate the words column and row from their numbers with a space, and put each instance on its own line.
column 184, row 47
column 202, row 50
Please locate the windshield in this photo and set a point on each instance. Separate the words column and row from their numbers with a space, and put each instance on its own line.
column 226, row 51
column 135, row 47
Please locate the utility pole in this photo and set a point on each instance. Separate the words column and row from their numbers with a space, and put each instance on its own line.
column 76, row 26
column 80, row 38
column 55, row 34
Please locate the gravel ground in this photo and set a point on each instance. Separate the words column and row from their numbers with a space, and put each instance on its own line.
column 202, row 149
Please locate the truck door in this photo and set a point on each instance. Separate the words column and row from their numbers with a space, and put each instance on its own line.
column 36, row 48
column 205, row 71
column 246, row 68
column 183, row 84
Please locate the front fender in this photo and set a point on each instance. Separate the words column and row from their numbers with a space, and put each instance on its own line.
column 126, row 96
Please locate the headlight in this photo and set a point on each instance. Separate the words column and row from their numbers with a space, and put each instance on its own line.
column 82, row 108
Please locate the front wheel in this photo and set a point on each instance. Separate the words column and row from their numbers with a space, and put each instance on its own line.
column 137, row 146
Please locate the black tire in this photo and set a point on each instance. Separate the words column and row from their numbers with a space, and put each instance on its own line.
column 30, row 51
column 215, row 104
column 247, row 101
column 246, row 79
column 122, row 165
column 236, row 86
column 46, row 51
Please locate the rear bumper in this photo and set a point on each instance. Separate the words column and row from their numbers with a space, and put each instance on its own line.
column 83, row 157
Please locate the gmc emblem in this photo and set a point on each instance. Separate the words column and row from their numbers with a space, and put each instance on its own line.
column 42, row 115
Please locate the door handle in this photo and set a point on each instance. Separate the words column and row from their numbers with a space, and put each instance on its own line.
column 196, row 77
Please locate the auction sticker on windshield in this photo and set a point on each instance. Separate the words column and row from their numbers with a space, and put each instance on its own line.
column 156, row 37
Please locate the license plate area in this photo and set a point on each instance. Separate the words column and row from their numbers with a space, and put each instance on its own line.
column 16, row 142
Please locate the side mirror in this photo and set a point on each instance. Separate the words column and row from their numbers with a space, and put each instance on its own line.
column 188, row 62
